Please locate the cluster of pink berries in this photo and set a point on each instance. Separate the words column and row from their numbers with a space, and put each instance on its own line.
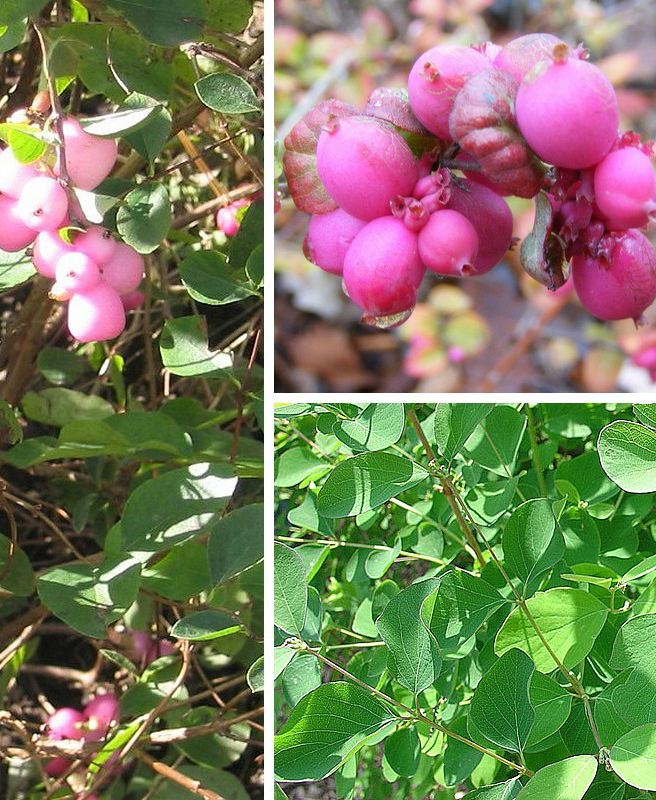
column 228, row 218
column 416, row 182
column 97, row 274
column 92, row 724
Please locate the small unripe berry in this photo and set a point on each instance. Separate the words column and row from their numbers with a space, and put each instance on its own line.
column 76, row 272
column 435, row 79
column 329, row 237
column 364, row 164
column 625, row 188
column 66, row 723
column 15, row 235
column 49, row 247
column 43, row 204
column 89, row 159
column 96, row 315
column 448, row 244
column 14, row 175
column 382, row 271
column 125, row 269
column 567, row 112
column 96, row 242
column 621, row 287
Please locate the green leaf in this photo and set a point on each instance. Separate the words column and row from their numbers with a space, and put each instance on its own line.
column 210, row 280
column 328, row 726
column 19, row 9
column 532, row 544
column 227, row 93
column 236, row 542
column 646, row 413
column 402, row 751
column 415, row 656
column 144, row 218
column 16, row 573
column 627, row 451
column 181, row 574
column 26, row 146
column 174, row 507
column 635, row 644
column 255, row 675
column 165, row 25
column 202, row 626
column 290, row 594
column 295, row 465
column 60, row 366
column 378, row 426
column 119, row 123
column 501, row 708
column 90, row 598
column 60, row 406
column 495, row 443
column 454, row 424
column 644, row 567
column 499, row 791
column 302, row 675
column 15, row 268
column 11, row 35
column 552, row 705
column 633, row 757
column 366, row 481
column 569, row 619
column 185, row 351
column 564, row 780
column 457, row 609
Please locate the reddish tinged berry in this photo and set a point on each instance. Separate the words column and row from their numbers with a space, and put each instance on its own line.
column 49, row 247
column 76, row 272
column 520, row 55
column 448, row 244
column 382, row 271
column 124, row 271
column 328, row 238
column 58, row 766
column 227, row 218
column 97, row 243
column 14, row 175
column 567, row 112
column 102, row 712
column 364, row 164
column 96, row 315
column 15, row 235
column 491, row 217
column 43, row 204
column 435, row 79
column 89, row 159
column 625, row 188
column 132, row 300
column 622, row 286
column 66, row 723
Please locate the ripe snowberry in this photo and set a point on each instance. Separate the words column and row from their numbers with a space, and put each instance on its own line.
column 15, row 235
column 436, row 78
column 520, row 55
column 43, row 204
column 364, row 164
column 96, row 314
column 96, row 242
column 622, row 286
column 89, row 159
column 125, row 269
column 14, row 175
column 66, row 723
column 625, row 188
column 132, row 300
column 227, row 218
column 76, row 272
column 49, row 247
column 567, row 112
column 58, row 766
column 102, row 712
column 382, row 271
column 329, row 237
column 448, row 243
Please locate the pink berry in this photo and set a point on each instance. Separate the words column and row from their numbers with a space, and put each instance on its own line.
column 14, row 234
column 227, row 222
column 102, row 712
column 160, row 648
column 364, row 164
column 491, row 217
column 58, row 766
column 328, row 238
column 89, row 159
column 567, row 112
column 125, row 269
column 14, row 175
column 646, row 358
column 60, row 293
column 522, row 54
column 435, row 79
column 132, row 300
column 448, row 243
column 625, row 188
column 96, row 315
column 49, row 247
column 76, row 272
column 43, row 204
column 478, row 176
column 66, row 723
column 622, row 287
column 141, row 644
column 382, row 271
column 97, row 243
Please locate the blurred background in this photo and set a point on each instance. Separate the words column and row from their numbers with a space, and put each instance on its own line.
column 502, row 331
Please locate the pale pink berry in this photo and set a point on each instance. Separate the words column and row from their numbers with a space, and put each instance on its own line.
column 89, row 159
column 448, row 243
column 160, row 648
column 43, row 204
column 522, row 54
column 15, row 235
column 567, row 112
column 60, row 293
column 227, row 218
column 96, row 242
column 621, row 287
column 49, row 247
column 364, row 164
column 132, row 300
column 66, row 723
column 14, row 175
column 435, row 79
column 96, row 315
column 382, row 271
column 102, row 712
column 76, row 272
column 328, row 238
column 625, row 188
column 124, row 270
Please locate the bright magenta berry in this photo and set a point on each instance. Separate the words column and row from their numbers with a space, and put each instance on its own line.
column 329, row 237
column 625, row 188
column 102, row 712
column 521, row 55
column 448, row 244
column 66, row 723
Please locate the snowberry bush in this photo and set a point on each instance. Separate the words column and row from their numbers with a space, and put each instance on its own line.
column 131, row 407
column 465, row 600
column 534, row 119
